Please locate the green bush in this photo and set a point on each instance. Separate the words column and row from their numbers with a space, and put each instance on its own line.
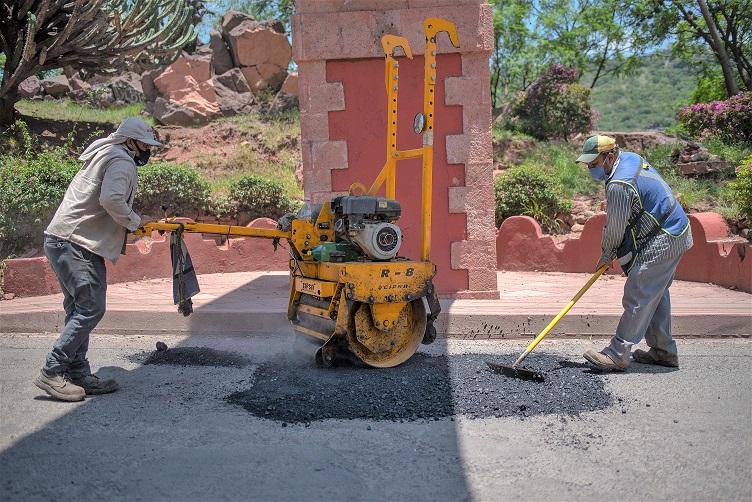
column 31, row 188
column 258, row 196
column 177, row 186
column 529, row 191
column 740, row 190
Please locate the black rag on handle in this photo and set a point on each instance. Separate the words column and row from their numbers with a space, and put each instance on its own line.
column 184, row 281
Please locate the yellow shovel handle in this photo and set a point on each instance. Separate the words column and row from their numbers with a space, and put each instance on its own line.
column 561, row 314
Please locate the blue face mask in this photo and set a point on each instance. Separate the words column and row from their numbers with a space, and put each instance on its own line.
column 598, row 173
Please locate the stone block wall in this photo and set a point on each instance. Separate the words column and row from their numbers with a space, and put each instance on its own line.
column 716, row 256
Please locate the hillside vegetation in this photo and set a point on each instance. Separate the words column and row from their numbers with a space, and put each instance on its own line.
column 646, row 100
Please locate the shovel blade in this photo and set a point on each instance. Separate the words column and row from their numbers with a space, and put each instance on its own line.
column 518, row 372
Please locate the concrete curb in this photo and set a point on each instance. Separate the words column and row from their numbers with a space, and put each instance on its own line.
column 452, row 325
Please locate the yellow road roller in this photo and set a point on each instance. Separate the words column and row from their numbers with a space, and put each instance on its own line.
column 349, row 287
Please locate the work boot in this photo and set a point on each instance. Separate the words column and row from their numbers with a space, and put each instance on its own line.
column 59, row 387
column 656, row 356
column 92, row 385
column 603, row 362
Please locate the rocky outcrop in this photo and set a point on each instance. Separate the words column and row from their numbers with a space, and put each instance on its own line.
column 57, row 87
column 234, row 96
column 260, row 49
column 187, row 92
column 223, row 77
column 30, row 88
column 641, row 140
column 287, row 97
column 127, row 88
column 222, row 58
column 694, row 159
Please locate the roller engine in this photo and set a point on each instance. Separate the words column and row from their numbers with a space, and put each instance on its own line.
column 367, row 222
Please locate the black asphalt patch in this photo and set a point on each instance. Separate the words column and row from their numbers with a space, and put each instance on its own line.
column 424, row 388
column 192, row 356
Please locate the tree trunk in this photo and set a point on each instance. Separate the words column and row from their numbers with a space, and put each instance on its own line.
column 719, row 50
column 7, row 108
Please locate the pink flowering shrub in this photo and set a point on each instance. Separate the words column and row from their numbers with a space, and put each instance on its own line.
column 554, row 106
column 729, row 120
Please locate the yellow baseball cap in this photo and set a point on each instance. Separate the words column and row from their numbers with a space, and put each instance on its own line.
column 594, row 146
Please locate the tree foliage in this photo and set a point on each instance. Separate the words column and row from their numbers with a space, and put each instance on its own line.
column 97, row 35
column 594, row 36
column 280, row 10
column 694, row 26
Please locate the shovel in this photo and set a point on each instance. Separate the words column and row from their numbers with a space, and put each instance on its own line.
column 514, row 371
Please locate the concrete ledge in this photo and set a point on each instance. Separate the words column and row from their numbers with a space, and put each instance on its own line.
column 455, row 324
column 255, row 303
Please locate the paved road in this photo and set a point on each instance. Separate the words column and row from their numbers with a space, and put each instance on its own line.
column 169, row 434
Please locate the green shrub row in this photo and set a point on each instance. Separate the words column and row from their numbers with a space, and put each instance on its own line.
column 184, row 192
column 739, row 191
column 30, row 191
column 32, row 185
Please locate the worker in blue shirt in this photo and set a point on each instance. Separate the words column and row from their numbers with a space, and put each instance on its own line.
column 648, row 232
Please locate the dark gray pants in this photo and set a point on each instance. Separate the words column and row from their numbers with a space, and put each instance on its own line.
column 647, row 310
column 83, row 279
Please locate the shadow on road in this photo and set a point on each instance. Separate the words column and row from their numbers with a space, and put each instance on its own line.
column 171, row 433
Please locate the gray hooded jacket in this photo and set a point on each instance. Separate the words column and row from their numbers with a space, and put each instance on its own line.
column 98, row 205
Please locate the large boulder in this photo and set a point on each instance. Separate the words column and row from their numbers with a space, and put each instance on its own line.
column 287, row 97
column 169, row 113
column 57, row 87
column 127, row 88
column 78, row 84
column 222, row 58
column 186, row 71
column 80, row 89
column 232, row 18
column 30, row 88
column 233, row 93
column 186, row 83
column 147, row 84
column 260, row 50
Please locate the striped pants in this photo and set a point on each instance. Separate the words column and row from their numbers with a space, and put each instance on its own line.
column 647, row 310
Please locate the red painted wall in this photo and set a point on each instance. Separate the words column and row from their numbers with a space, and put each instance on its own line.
column 363, row 125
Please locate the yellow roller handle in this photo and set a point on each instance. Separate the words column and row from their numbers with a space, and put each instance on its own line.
column 561, row 314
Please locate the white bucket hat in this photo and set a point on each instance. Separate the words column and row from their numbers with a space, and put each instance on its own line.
column 130, row 128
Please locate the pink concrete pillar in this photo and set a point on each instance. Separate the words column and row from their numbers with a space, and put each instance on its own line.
column 336, row 44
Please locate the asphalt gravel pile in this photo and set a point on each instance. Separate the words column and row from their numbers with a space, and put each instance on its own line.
column 192, row 356
column 424, row 388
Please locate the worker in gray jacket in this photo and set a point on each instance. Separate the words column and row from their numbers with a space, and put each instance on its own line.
column 648, row 232
column 90, row 226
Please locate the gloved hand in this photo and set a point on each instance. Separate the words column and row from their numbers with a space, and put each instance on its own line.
column 145, row 218
column 604, row 261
